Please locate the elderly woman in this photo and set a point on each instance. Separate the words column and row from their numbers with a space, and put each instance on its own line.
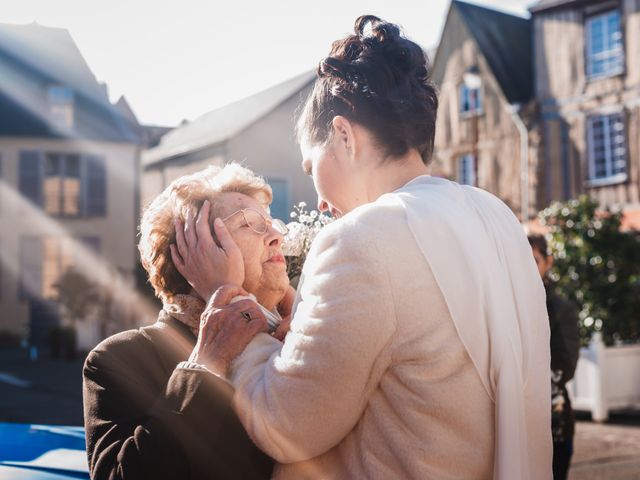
column 419, row 344
column 150, row 410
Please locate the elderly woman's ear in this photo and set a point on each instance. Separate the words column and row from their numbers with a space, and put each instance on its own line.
column 200, row 261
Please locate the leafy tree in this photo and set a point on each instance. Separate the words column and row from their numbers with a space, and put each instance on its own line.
column 597, row 266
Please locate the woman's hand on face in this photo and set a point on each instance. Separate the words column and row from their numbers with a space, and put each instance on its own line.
column 225, row 330
column 205, row 265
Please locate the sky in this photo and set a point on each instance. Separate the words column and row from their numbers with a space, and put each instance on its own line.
column 175, row 61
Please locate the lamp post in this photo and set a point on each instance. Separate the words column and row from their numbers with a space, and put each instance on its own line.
column 473, row 82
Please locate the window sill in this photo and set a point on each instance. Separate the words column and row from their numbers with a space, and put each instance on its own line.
column 605, row 76
column 608, row 181
column 471, row 114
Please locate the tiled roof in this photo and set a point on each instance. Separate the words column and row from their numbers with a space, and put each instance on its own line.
column 33, row 57
column 506, row 43
column 220, row 125
column 542, row 5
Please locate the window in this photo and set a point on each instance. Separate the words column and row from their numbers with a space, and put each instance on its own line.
column 30, row 267
column 57, row 257
column 43, row 261
column 280, row 207
column 605, row 52
column 467, row 170
column 607, row 148
column 470, row 100
column 63, row 184
column 61, row 187
column 61, row 105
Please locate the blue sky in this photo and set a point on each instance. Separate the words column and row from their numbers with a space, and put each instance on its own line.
column 177, row 60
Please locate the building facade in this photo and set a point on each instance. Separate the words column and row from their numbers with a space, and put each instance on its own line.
column 587, row 83
column 257, row 131
column 486, row 129
column 69, row 179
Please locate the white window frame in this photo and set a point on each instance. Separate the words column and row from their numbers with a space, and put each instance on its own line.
column 466, row 170
column 611, row 177
column 611, row 52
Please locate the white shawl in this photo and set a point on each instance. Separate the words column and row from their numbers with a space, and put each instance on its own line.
column 483, row 264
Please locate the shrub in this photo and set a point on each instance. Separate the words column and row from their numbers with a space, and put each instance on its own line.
column 597, row 266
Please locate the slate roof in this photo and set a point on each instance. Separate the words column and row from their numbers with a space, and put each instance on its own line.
column 542, row 5
column 506, row 42
column 33, row 57
column 221, row 124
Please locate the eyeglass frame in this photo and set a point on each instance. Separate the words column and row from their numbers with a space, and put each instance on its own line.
column 280, row 226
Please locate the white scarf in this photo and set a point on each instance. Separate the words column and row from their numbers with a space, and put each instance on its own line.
column 483, row 264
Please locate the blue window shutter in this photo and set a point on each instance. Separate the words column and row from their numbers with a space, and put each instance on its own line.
column 31, row 176
column 280, row 206
column 96, row 187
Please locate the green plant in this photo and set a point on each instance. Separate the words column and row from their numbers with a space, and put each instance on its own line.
column 597, row 266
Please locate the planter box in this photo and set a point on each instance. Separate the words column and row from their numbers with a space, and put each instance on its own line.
column 606, row 378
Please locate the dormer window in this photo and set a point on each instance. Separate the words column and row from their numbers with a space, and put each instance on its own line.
column 470, row 100
column 61, row 105
column 605, row 50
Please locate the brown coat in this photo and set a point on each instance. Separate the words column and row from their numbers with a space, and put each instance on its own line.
column 146, row 419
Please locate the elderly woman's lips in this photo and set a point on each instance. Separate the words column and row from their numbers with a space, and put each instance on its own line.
column 277, row 259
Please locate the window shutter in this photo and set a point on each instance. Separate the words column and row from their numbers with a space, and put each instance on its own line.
column 96, row 187
column 280, row 206
column 31, row 176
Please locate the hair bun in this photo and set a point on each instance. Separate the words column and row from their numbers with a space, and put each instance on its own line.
column 380, row 79
column 372, row 27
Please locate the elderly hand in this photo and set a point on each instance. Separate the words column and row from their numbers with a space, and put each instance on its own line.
column 225, row 330
column 205, row 265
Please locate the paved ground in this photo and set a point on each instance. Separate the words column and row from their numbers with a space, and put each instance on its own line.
column 49, row 391
column 609, row 451
column 45, row 391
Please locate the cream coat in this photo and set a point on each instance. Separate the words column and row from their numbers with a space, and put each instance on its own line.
column 373, row 380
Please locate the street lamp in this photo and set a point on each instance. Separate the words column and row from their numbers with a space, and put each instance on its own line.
column 472, row 78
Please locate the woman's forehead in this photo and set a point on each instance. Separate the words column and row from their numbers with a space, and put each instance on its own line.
column 230, row 202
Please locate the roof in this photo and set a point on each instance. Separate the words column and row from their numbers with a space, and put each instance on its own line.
column 219, row 125
column 33, row 57
column 506, row 42
column 542, row 5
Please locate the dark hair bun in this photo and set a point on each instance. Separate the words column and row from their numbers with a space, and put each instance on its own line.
column 379, row 79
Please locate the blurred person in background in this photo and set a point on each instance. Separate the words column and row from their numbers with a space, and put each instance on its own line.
column 565, row 350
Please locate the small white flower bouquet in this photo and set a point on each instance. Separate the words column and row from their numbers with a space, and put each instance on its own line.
column 304, row 227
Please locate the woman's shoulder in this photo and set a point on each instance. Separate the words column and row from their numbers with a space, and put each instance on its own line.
column 126, row 346
column 386, row 212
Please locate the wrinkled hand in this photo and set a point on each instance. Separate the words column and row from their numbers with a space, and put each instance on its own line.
column 205, row 265
column 224, row 331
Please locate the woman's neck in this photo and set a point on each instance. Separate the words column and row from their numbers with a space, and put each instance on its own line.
column 391, row 174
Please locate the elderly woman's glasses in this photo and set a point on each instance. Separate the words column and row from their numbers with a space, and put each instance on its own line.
column 258, row 222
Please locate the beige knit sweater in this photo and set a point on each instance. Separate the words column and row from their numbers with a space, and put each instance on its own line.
column 372, row 381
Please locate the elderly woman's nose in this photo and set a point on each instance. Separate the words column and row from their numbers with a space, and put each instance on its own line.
column 274, row 237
